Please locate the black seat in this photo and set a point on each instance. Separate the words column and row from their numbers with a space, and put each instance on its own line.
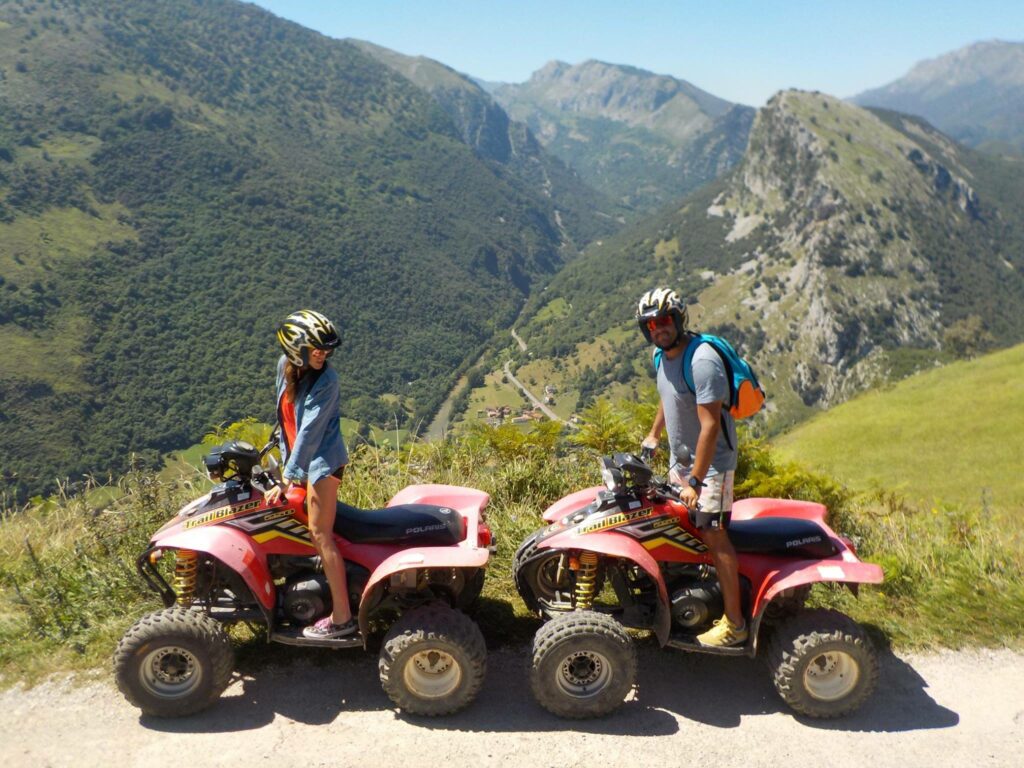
column 784, row 536
column 419, row 523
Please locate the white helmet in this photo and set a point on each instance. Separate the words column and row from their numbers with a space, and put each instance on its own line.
column 303, row 331
column 661, row 302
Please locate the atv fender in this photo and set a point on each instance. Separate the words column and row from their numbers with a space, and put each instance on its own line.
column 235, row 550
column 846, row 570
column 571, row 503
column 454, row 496
column 617, row 545
column 413, row 559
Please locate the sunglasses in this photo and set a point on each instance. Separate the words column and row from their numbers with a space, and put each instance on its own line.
column 662, row 321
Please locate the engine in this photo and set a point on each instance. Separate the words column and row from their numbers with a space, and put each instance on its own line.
column 695, row 596
column 306, row 597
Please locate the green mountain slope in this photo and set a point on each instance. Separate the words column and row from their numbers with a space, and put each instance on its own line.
column 847, row 248
column 583, row 212
column 950, row 435
column 641, row 138
column 974, row 94
column 176, row 177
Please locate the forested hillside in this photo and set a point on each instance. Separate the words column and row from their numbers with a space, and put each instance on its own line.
column 848, row 248
column 485, row 126
column 175, row 177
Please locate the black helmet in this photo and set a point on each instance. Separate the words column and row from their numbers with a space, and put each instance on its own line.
column 660, row 302
column 303, row 331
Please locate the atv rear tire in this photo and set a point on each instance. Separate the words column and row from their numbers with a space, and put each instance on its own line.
column 433, row 661
column 583, row 665
column 823, row 663
column 173, row 662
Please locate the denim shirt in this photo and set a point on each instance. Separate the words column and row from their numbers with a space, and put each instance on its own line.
column 319, row 449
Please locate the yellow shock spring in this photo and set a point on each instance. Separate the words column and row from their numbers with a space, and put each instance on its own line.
column 186, row 568
column 586, row 581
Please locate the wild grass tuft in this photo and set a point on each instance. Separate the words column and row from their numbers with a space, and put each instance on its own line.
column 69, row 589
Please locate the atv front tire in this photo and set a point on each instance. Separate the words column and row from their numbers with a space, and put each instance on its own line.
column 583, row 665
column 173, row 662
column 823, row 663
column 433, row 661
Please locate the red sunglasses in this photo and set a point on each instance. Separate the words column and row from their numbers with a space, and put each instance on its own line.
column 659, row 322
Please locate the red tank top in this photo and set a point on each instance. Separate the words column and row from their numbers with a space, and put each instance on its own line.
column 287, row 408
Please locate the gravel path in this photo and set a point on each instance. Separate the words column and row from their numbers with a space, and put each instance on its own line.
column 945, row 709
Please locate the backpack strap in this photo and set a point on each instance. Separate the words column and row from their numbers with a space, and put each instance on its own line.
column 691, row 350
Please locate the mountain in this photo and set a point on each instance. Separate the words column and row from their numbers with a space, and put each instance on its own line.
column 847, row 248
column 177, row 177
column 974, row 94
column 641, row 138
column 486, row 127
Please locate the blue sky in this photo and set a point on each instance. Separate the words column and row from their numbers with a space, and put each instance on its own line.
column 740, row 50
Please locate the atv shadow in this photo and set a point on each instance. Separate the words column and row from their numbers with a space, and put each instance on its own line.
column 326, row 685
column 719, row 691
column 320, row 686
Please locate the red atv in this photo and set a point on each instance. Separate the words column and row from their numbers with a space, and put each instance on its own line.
column 628, row 555
column 236, row 558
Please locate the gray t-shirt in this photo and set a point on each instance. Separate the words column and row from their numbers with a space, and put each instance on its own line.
column 680, row 405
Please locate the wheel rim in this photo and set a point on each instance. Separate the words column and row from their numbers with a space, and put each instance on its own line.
column 432, row 674
column 832, row 675
column 583, row 674
column 171, row 672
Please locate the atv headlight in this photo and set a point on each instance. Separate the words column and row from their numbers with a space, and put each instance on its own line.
column 612, row 478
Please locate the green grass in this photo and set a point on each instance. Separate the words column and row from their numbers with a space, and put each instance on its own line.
column 950, row 435
column 68, row 588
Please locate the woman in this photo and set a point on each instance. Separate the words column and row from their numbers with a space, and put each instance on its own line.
column 312, row 448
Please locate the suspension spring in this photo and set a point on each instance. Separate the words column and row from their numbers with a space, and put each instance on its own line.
column 186, row 570
column 586, row 581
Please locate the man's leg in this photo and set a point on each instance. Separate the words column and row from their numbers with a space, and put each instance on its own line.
column 713, row 522
column 724, row 557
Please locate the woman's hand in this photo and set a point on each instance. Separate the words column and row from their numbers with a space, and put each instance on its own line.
column 275, row 493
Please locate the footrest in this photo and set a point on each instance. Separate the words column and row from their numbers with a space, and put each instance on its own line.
column 290, row 636
column 689, row 643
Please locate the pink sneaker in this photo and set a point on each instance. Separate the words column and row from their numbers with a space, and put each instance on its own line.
column 325, row 629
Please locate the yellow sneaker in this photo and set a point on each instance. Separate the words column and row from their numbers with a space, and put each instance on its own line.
column 723, row 634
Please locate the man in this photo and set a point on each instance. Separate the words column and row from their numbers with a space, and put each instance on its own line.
column 702, row 444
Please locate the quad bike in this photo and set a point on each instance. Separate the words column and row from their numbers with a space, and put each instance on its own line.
column 237, row 558
column 628, row 555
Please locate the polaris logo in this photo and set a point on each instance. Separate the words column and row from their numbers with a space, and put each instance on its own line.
column 801, row 542
column 425, row 528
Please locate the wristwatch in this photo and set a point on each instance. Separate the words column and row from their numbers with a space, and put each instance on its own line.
column 696, row 484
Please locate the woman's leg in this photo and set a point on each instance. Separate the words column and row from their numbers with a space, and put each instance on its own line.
column 321, row 499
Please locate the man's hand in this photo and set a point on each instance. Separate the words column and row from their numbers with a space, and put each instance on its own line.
column 689, row 497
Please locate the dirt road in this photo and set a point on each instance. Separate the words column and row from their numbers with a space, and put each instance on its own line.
column 947, row 709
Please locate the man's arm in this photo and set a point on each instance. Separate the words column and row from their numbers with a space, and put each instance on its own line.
column 654, row 436
column 710, row 415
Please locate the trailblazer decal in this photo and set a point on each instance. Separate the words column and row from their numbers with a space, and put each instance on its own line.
column 620, row 518
column 274, row 523
column 222, row 514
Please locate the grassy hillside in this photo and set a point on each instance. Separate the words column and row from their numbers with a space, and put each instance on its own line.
column 954, row 435
column 68, row 587
column 177, row 177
